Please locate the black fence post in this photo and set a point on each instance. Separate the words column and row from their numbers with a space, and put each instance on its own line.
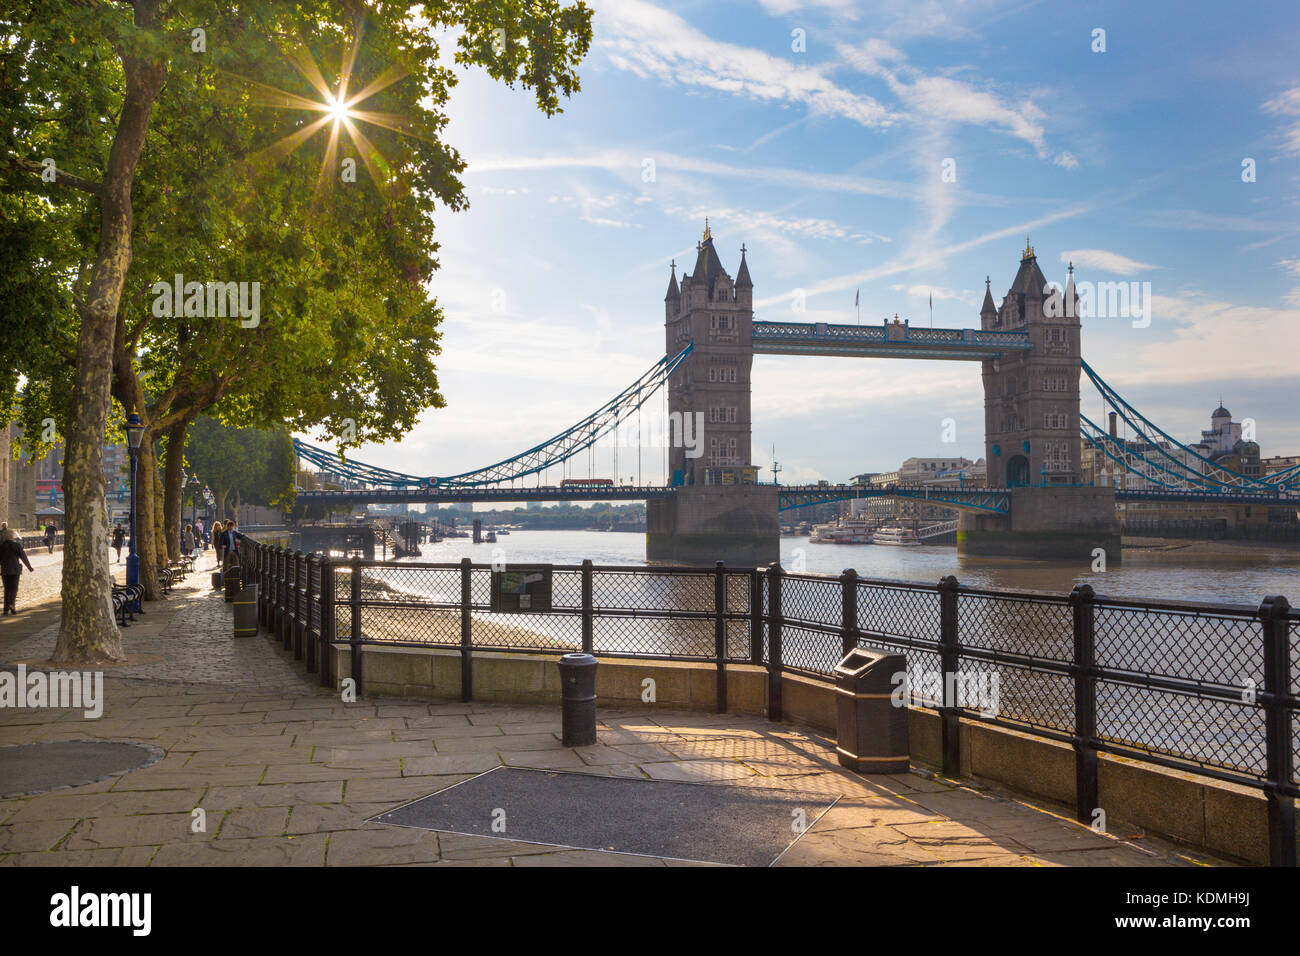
column 720, row 633
column 1277, row 734
column 313, row 600
column 263, row 586
column 774, row 620
column 588, row 609
column 273, row 591
column 299, row 604
column 949, row 663
column 466, row 631
column 281, row 593
column 1085, row 702
column 849, row 632
column 328, row 619
column 355, row 640
column 756, row 617
column 290, row 601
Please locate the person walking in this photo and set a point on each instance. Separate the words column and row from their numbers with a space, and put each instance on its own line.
column 12, row 559
column 119, row 540
column 232, row 543
column 198, row 534
column 187, row 540
column 219, row 543
column 50, row 534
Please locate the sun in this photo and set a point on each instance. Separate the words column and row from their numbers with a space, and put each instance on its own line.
column 338, row 110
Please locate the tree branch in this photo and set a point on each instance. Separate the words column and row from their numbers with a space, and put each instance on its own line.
column 60, row 177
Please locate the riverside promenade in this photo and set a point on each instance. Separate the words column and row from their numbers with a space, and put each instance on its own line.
column 287, row 774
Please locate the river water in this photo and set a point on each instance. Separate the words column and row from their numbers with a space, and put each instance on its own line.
column 1198, row 572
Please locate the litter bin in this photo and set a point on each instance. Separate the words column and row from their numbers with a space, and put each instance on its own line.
column 246, row 611
column 232, row 583
column 872, row 731
column 217, row 579
column 577, row 700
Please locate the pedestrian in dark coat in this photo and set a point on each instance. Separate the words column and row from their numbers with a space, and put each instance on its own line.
column 12, row 559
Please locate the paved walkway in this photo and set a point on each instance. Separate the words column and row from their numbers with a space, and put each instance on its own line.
column 286, row 773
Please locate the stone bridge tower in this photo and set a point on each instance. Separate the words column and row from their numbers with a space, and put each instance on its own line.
column 712, row 386
column 1031, row 399
column 1031, row 433
column 719, row 512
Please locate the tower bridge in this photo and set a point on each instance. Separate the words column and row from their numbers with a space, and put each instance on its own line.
column 713, row 507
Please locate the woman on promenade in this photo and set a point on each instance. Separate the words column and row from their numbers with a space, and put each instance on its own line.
column 219, row 542
column 187, row 540
column 12, row 559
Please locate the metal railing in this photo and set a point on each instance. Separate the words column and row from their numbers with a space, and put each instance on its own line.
column 1210, row 689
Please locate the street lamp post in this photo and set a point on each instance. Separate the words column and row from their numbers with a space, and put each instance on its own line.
column 194, row 499
column 134, row 433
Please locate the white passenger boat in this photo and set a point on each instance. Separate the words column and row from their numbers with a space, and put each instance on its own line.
column 896, row 536
column 849, row 531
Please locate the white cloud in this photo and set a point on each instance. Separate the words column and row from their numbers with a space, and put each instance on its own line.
column 921, row 260
column 1287, row 103
column 966, row 297
column 651, row 42
column 1212, row 339
column 944, row 98
column 810, row 227
column 628, row 164
column 781, row 8
column 1105, row 261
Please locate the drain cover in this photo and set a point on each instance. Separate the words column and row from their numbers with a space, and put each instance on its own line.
column 35, row 768
column 745, row 826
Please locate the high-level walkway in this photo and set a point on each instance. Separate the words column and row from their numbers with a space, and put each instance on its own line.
column 287, row 773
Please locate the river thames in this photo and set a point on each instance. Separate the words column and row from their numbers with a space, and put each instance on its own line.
column 1192, row 571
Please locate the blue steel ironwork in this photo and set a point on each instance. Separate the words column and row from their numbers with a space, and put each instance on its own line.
column 991, row 500
column 1128, row 413
column 1225, row 494
column 1234, row 496
column 1113, row 449
column 485, row 495
column 885, row 341
column 553, row 451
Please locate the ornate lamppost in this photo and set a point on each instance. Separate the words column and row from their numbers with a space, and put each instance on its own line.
column 134, row 433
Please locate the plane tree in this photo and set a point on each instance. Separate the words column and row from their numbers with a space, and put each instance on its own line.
column 195, row 103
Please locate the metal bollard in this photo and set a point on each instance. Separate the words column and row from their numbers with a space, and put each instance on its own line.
column 232, row 583
column 578, row 700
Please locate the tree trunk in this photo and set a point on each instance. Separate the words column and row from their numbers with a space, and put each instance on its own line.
column 87, row 629
column 146, row 496
column 173, row 491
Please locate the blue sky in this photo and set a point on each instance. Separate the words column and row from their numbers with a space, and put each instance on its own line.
column 827, row 164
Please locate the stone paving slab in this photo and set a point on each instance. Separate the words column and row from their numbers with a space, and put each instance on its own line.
column 287, row 774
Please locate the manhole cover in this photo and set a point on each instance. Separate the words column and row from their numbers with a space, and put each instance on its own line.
column 710, row 823
column 35, row 768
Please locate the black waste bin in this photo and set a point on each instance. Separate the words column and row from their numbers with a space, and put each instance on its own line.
column 872, row 731
column 246, row 611
column 217, row 579
column 232, row 583
column 577, row 700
